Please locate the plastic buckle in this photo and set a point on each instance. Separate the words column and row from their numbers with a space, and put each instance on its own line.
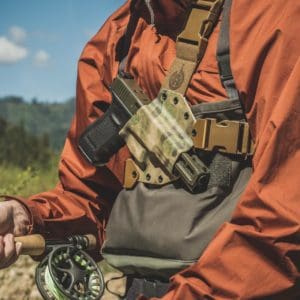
column 232, row 137
column 203, row 17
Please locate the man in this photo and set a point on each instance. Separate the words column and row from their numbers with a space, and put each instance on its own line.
column 256, row 255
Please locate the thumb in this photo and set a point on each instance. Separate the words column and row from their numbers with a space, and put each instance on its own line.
column 19, row 247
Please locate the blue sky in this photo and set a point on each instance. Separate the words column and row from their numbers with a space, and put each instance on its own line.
column 40, row 42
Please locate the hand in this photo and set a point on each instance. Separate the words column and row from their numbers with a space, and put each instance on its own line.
column 14, row 221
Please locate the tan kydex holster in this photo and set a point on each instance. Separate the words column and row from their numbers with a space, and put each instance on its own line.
column 162, row 134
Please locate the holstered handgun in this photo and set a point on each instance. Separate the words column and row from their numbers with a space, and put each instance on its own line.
column 157, row 133
column 101, row 139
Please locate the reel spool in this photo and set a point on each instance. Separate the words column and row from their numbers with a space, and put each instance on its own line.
column 69, row 273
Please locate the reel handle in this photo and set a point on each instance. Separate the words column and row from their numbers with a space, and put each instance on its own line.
column 92, row 241
column 36, row 244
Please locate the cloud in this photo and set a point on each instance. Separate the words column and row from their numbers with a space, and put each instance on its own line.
column 17, row 34
column 10, row 52
column 41, row 58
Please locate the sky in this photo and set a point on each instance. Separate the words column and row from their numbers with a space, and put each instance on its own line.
column 41, row 41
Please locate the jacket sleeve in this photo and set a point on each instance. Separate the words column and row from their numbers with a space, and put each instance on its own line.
column 257, row 254
column 82, row 200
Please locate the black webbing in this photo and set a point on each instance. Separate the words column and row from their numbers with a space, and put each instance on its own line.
column 148, row 288
column 223, row 53
column 124, row 43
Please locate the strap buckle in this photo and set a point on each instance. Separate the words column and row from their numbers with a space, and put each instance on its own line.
column 232, row 137
column 203, row 17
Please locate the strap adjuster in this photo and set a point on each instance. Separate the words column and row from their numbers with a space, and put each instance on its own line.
column 203, row 17
column 232, row 137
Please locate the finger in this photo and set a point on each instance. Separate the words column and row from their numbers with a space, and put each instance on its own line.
column 9, row 249
column 6, row 221
column 1, row 252
column 1, row 248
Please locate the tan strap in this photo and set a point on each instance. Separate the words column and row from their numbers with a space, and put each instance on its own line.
column 191, row 44
column 132, row 174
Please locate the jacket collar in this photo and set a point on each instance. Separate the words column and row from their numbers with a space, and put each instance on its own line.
column 168, row 15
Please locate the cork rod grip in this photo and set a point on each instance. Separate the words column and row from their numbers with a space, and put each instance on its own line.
column 33, row 244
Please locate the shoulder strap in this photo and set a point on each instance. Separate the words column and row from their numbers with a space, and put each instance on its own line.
column 189, row 43
column 223, row 54
column 192, row 42
column 124, row 43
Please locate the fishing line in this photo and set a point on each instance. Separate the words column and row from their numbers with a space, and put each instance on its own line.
column 69, row 273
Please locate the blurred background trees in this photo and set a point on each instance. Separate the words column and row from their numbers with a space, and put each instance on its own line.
column 31, row 138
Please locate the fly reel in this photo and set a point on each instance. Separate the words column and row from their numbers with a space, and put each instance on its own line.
column 67, row 272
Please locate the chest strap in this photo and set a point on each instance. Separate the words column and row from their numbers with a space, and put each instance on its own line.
column 232, row 137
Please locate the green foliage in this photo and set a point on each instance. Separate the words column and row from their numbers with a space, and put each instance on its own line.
column 50, row 119
column 31, row 135
column 17, row 181
column 22, row 149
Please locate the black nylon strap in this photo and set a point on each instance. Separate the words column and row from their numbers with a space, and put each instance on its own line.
column 223, row 53
column 148, row 288
column 124, row 43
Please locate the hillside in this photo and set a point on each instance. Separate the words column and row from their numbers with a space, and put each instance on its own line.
column 38, row 118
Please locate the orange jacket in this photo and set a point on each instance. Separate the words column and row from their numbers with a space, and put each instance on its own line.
column 257, row 254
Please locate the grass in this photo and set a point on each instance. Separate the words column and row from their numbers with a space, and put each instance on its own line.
column 34, row 179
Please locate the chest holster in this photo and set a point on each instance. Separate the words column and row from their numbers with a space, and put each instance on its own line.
column 162, row 134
